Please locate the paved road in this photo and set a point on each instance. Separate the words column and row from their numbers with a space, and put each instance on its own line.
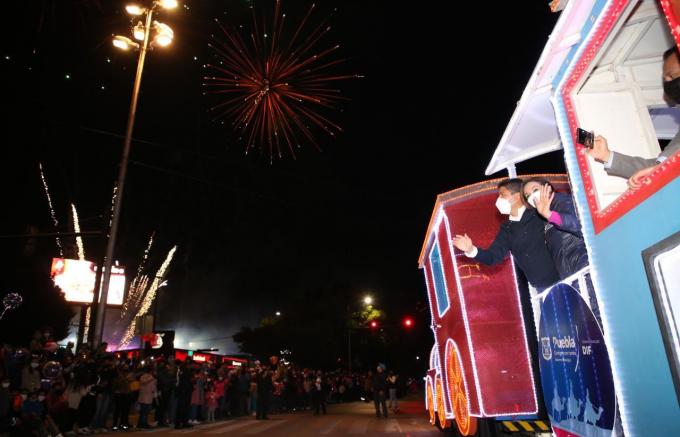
column 355, row 419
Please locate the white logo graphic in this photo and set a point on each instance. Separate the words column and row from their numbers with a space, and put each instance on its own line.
column 547, row 351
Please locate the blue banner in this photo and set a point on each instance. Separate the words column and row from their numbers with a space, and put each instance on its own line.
column 576, row 374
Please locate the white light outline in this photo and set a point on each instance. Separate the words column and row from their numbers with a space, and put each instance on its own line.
column 665, row 299
column 428, row 381
column 435, row 244
column 448, row 406
column 463, row 310
column 483, row 413
column 433, row 357
column 524, row 333
column 435, row 348
column 587, row 231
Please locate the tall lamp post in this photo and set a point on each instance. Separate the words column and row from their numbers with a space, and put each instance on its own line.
column 162, row 36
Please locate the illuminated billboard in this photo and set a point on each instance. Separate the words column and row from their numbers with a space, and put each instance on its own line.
column 76, row 279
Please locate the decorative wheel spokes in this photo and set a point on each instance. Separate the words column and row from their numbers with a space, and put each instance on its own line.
column 461, row 409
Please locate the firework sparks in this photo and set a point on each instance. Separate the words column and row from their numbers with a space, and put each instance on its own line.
column 79, row 239
column 276, row 91
column 113, row 206
column 138, row 285
column 86, row 328
column 49, row 202
column 158, row 282
column 149, row 296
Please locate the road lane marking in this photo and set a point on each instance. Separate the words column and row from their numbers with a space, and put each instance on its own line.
column 266, row 426
column 330, row 428
column 359, row 426
column 238, row 424
column 392, row 425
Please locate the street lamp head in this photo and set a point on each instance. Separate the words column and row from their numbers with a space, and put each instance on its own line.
column 138, row 31
column 167, row 4
column 135, row 9
column 124, row 43
column 368, row 300
column 278, row 313
column 164, row 34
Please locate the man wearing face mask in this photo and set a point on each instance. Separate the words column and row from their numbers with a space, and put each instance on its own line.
column 522, row 236
column 635, row 168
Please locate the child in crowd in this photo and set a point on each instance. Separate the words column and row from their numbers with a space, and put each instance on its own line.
column 211, row 402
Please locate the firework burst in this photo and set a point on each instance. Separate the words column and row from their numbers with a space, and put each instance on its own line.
column 276, row 91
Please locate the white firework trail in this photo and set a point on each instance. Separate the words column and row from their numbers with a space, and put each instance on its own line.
column 86, row 328
column 158, row 282
column 79, row 239
column 149, row 297
column 113, row 205
column 49, row 202
column 138, row 283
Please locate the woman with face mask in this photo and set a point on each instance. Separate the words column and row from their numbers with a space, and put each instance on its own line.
column 562, row 227
column 30, row 376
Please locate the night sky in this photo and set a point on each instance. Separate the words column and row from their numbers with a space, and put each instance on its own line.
column 441, row 82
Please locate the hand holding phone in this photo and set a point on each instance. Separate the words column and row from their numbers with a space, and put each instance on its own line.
column 585, row 138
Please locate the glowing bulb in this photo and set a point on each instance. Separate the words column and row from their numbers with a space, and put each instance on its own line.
column 368, row 300
column 135, row 9
column 163, row 40
column 164, row 34
column 168, row 4
column 124, row 43
column 138, row 31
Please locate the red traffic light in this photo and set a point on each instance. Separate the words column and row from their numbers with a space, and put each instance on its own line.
column 408, row 322
column 374, row 324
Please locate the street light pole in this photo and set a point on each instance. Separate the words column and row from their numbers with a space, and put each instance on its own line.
column 349, row 350
column 118, row 201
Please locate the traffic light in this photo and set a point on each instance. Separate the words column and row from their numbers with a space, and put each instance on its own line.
column 408, row 322
column 374, row 324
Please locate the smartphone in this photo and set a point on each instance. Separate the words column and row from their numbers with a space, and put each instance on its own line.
column 585, row 138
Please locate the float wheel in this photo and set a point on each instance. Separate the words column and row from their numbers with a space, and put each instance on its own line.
column 467, row 425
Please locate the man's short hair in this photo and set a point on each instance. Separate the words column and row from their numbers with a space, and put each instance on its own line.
column 667, row 54
column 514, row 185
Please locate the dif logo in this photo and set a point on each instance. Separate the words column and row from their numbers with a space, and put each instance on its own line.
column 547, row 351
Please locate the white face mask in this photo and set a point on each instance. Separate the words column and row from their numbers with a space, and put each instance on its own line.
column 23, row 397
column 34, row 365
column 504, row 206
column 533, row 198
column 5, row 384
column 41, row 398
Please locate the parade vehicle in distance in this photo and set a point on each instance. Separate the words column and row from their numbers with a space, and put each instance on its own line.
column 606, row 340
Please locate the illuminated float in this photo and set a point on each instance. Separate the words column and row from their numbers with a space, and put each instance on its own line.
column 601, row 70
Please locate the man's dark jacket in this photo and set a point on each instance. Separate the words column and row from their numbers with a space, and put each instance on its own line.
column 525, row 239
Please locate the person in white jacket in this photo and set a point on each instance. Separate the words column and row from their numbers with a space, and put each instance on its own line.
column 147, row 393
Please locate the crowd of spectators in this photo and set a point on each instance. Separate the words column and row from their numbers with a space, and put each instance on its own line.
column 47, row 390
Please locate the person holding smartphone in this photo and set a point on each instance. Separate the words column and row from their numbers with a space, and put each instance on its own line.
column 635, row 168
